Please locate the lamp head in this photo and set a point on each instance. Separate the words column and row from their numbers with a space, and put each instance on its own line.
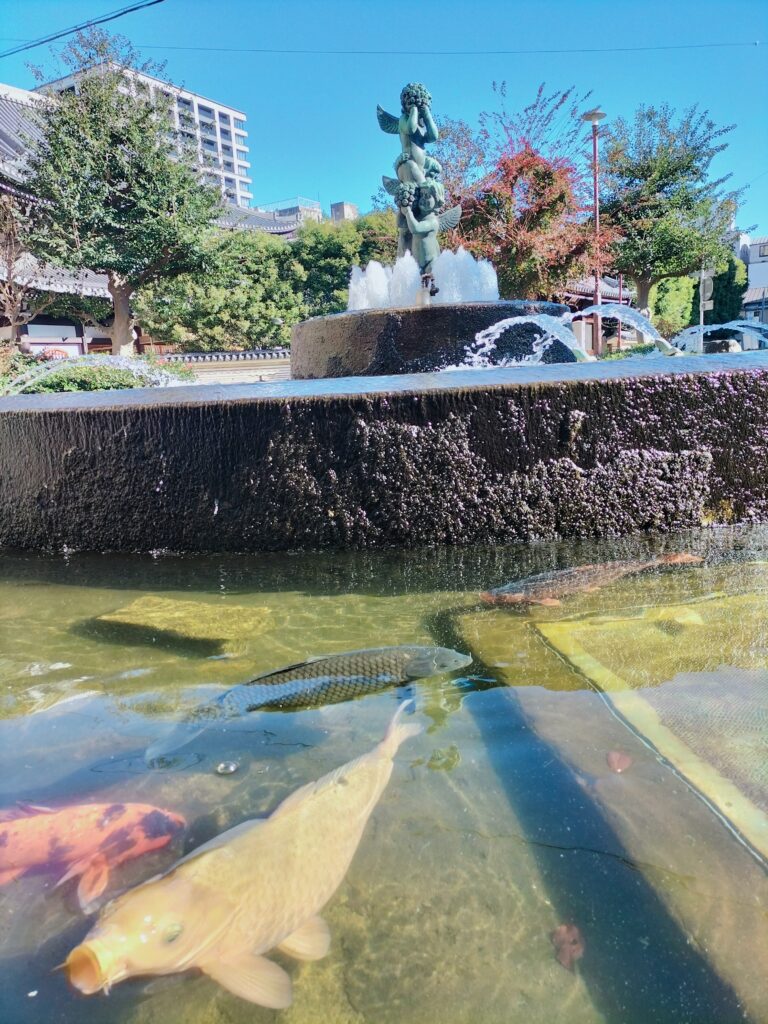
column 594, row 116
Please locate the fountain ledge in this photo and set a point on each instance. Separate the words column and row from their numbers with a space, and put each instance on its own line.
column 481, row 456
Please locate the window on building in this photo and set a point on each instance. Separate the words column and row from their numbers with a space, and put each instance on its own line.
column 205, row 112
column 241, row 140
column 763, row 250
column 230, row 182
column 185, row 103
column 240, row 124
column 242, row 170
column 225, row 133
column 223, row 118
column 229, row 166
column 242, row 154
column 226, row 149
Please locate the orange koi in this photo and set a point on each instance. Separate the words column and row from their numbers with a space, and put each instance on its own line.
column 87, row 840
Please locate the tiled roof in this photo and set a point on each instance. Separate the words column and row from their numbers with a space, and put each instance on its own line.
column 55, row 279
column 17, row 124
column 253, row 220
column 609, row 288
column 755, row 295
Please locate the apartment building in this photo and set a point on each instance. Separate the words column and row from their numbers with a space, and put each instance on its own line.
column 215, row 131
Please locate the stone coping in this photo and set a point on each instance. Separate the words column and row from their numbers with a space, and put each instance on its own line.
column 419, row 383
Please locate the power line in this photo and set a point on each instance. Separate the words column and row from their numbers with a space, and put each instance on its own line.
column 28, row 45
column 445, row 53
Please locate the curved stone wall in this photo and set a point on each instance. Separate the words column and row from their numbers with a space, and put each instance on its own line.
column 486, row 456
column 380, row 341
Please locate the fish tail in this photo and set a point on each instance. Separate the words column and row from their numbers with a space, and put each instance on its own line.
column 398, row 732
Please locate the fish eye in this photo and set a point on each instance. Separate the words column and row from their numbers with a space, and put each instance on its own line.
column 172, row 932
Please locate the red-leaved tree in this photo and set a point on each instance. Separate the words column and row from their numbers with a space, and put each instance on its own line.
column 526, row 219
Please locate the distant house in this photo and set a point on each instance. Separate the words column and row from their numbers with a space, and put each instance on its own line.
column 580, row 294
column 754, row 252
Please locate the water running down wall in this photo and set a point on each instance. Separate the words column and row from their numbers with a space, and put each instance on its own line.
column 468, row 457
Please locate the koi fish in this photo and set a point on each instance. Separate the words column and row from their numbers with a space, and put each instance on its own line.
column 255, row 888
column 326, row 680
column 88, row 840
column 547, row 588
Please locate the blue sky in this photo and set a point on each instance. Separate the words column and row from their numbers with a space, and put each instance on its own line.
column 312, row 116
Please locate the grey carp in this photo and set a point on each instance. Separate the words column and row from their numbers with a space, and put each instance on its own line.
column 547, row 588
column 331, row 679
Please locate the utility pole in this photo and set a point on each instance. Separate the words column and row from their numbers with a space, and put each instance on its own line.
column 594, row 117
column 706, row 287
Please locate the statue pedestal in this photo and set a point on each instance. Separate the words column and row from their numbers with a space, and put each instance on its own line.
column 372, row 342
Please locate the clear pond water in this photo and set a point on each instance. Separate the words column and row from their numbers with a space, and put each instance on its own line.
column 599, row 765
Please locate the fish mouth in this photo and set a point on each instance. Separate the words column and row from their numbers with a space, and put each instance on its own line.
column 86, row 969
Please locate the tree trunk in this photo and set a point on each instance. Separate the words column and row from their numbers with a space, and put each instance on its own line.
column 644, row 285
column 122, row 325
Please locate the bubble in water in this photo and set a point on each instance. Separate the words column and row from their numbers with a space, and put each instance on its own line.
column 227, row 768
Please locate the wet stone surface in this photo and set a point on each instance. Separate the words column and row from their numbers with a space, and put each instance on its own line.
column 451, row 458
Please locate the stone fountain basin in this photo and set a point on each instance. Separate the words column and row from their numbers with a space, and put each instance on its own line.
column 382, row 341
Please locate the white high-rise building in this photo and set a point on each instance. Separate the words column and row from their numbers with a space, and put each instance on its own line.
column 217, row 132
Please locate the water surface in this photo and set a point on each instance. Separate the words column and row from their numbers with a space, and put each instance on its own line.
column 502, row 821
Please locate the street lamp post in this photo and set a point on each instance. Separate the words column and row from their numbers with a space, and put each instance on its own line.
column 594, row 117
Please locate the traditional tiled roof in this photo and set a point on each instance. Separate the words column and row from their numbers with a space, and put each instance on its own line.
column 55, row 279
column 755, row 295
column 609, row 288
column 256, row 220
column 17, row 125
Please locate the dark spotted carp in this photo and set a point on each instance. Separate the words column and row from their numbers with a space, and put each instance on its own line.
column 325, row 680
column 548, row 588
column 85, row 840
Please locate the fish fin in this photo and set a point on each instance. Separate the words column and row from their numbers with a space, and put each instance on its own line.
column 286, row 668
column 8, row 874
column 34, row 808
column 82, row 866
column 309, row 942
column 253, row 978
column 93, row 882
column 177, row 737
column 397, row 732
column 223, row 839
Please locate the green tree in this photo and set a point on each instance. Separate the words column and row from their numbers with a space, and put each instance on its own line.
column 21, row 299
column 671, row 302
column 728, row 288
column 249, row 298
column 657, row 194
column 119, row 195
column 328, row 251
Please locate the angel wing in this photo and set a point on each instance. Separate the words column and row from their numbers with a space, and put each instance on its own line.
column 388, row 123
column 450, row 219
column 390, row 184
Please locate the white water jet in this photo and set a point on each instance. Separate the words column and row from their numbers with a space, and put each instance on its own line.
column 552, row 328
column 459, row 277
column 692, row 338
column 150, row 376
